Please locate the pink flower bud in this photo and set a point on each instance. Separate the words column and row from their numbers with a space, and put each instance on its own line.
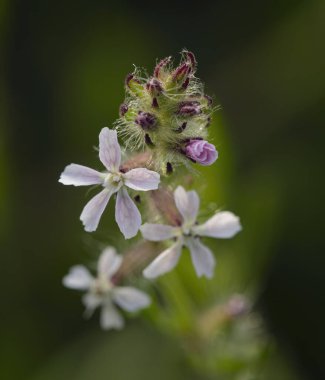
column 160, row 66
column 201, row 151
column 154, row 87
column 189, row 108
column 146, row 120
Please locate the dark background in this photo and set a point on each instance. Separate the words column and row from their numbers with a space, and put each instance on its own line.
column 62, row 70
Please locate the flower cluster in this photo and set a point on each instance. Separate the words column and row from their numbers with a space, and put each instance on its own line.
column 169, row 113
column 166, row 115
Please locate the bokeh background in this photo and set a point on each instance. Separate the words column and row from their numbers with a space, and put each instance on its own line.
column 62, row 69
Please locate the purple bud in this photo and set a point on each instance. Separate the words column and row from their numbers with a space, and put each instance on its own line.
column 189, row 108
column 191, row 58
column 123, row 109
column 201, row 151
column 182, row 72
column 161, row 65
column 146, row 120
column 154, row 87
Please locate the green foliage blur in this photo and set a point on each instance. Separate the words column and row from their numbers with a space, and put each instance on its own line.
column 62, row 70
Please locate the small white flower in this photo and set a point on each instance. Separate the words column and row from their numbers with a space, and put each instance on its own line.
column 222, row 225
column 101, row 291
column 127, row 214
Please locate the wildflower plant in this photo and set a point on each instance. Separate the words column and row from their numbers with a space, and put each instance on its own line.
column 164, row 123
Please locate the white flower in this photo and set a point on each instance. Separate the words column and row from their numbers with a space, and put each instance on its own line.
column 101, row 291
column 222, row 225
column 127, row 214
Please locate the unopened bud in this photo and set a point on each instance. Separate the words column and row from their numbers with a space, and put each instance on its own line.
column 189, row 108
column 123, row 109
column 154, row 87
column 161, row 66
column 201, row 152
column 191, row 58
column 181, row 73
column 134, row 85
column 146, row 120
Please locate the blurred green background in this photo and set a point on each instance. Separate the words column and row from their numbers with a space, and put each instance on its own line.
column 62, row 69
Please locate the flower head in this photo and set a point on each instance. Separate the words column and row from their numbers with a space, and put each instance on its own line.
column 164, row 111
column 201, row 151
column 222, row 225
column 113, row 181
column 102, row 292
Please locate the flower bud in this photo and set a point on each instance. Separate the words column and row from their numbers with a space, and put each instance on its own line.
column 123, row 109
column 134, row 85
column 191, row 58
column 161, row 66
column 146, row 120
column 201, row 151
column 154, row 87
column 181, row 73
column 189, row 108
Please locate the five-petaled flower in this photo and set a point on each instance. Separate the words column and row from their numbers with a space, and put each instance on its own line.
column 222, row 225
column 101, row 291
column 127, row 214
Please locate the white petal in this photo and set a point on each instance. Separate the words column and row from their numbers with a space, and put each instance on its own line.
column 127, row 215
column 79, row 175
column 93, row 210
column 202, row 258
column 78, row 278
column 222, row 225
column 91, row 302
column 110, row 318
column 165, row 262
column 142, row 179
column 109, row 262
column 130, row 299
column 109, row 149
column 187, row 204
column 158, row 232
